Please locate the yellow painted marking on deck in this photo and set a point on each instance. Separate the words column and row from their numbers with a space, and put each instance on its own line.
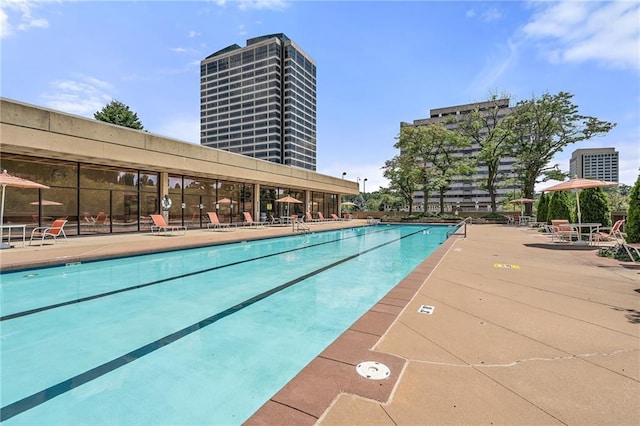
column 506, row 265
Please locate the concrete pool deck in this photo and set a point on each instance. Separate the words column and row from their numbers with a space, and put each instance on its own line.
column 523, row 331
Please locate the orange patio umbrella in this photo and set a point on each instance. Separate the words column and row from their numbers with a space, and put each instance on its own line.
column 45, row 203
column 288, row 199
column 577, row 184
column 17, row 182
column 522, row 202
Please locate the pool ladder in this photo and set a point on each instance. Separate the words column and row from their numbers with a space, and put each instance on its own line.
column 372, row 221
column 300, row 226
column 462, row 225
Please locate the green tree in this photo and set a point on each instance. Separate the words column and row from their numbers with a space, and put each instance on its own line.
column 618, row 197
column 541, row 128
column 403, row 176
column 413, row 136
column 543, row 208
column 115, row 112
column 485, row 127
column 432, row 147
column 389, row 200
column 632, row 227
column 559, row 206
column 594, row 206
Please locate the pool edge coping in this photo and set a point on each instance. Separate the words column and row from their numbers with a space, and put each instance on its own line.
column 329, row 377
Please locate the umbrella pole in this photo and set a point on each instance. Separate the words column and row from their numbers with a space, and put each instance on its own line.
column 579, row 241
column 2, row 210
column 2, row 244
column 578, row 204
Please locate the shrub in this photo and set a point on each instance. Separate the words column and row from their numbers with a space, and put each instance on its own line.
column 594, row 206
column 632, row 227
column 494, row 216
column 559, row 207
column 616, row 252
column 543, row 208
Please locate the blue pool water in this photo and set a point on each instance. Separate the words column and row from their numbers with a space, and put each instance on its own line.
column 194, row 336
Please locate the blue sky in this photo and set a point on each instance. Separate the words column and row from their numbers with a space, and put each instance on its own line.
column 379, row 63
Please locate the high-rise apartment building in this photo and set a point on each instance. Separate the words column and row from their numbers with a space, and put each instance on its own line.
column 595, row 163
column 260, row 101
column 466, row 192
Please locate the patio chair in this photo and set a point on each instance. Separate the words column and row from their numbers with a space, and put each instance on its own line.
column 310, row 219
column 160, row 225
column 612, row 235
column 248, row 220
column 100, row 221
column 215, row 224
column 562, row 231
column 272, row 220
column 632, row 249
column 321, row 217
column 53, row 231
column 335, row 217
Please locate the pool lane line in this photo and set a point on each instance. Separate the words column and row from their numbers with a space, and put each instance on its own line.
column 164, row 280
column 51, row 392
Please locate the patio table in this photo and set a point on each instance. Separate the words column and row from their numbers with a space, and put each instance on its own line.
column 9, row 227
column 587, row 229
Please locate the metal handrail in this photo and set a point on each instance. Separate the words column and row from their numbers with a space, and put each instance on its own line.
column 299, row 225
column 461, row 225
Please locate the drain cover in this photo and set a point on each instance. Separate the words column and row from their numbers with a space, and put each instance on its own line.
column 373, row 370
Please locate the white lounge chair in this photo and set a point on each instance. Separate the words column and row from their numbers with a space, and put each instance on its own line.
column 161, row 226
column 215, row 224
column 53, row 231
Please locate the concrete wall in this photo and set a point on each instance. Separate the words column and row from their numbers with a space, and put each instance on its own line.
column 39, row 132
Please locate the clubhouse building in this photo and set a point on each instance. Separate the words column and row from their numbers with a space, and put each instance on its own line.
column 95, row 169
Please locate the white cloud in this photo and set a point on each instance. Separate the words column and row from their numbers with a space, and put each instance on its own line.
column 22, row 12
column 492, row 14
column 571, row 31
column 83, row 96
column 34, row 23
column 5, row 26
column 497, row 64
column 261, row 4
column 178, row 49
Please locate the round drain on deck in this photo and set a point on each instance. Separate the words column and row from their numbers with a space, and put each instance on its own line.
column 373, row 370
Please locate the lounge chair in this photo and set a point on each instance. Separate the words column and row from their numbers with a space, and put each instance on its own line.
column 248, row 220
column 214, row 223
column 100, row 221
column 321, row 217
column 335, row 217
column 160, row 225
column 632, row 249
column 310, row 219
column 53, row 231
column 612, row 235
column 274, row 220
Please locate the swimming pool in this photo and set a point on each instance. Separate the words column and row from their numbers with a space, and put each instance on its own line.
column 194, row 336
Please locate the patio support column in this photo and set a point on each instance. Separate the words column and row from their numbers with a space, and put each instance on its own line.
column 256, row 202
column 308, row 201
column 164, row 190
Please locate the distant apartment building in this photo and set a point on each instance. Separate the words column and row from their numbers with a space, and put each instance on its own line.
column 595, row 163
column 260, row 101
column 466, row 192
